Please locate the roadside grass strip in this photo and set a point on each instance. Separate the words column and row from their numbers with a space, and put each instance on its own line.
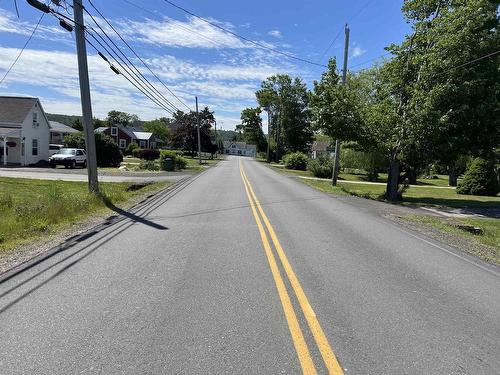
column 318, row 334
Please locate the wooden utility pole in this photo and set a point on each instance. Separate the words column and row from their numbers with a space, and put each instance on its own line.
column 198, row 130
column 216, row 143
column 83, row 73
column 268, row 155
column 336, row 161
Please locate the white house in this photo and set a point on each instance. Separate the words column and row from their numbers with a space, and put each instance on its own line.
column 58, row 131
column 239, row 148
column 24, row 131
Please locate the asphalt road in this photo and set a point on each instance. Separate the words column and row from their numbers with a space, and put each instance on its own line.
column 202, row 282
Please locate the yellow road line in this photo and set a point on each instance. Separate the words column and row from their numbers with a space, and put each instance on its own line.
column 324, row 347
column 293, row 324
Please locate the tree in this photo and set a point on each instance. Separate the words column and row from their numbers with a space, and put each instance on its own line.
column 108, row 152
column 186, row 136
column 121, row 118
column 287, row 101
column 77, row 124
column 159, row 128
column 251, row 128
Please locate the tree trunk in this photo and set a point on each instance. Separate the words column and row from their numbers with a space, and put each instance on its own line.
column 452, row 176
column 393, row 180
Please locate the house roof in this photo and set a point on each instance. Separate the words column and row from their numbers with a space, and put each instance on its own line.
column 14, row 109
column 101, row 129
column 241, row 145
column 143, row 136
column 61, row 128
column 321, row 146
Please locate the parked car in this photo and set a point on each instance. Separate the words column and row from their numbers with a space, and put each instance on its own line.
column 54, row 149
column 69, row 157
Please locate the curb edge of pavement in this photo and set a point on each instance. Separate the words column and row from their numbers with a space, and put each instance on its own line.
column 108, row 221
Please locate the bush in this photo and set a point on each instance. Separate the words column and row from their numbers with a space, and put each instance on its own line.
column 178, row 161
column 321, row 167
column 108, row 152
column 146, row 153
column 149, row 165
column 296, row 160
column 479, row 179
column 130, row 148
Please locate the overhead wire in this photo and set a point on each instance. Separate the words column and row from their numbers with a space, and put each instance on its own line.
column 141, row 86
column 258, row 44
column 22, row 49
column 138, row 72
column 136, row 55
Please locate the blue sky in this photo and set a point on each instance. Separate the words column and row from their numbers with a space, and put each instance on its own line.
column 190, row 56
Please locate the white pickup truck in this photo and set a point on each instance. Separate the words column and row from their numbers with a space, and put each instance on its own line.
column 69, row 157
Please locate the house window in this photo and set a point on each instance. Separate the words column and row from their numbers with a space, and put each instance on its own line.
column 123, row 143
column 34, row 147
column 114, row 130
column 35, row 117
column 142, row 144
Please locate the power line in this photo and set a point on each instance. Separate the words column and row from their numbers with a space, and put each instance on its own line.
column 370, row 60
column 22, row 50
column 136, row 55
column 260, row 45
column 140, row 75
column 469, row 63
column 141, row 86
column 360, row 10
column 174, row 25
column 138, row 85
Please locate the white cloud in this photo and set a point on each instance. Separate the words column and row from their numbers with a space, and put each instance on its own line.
column 358, row 51
column 10, row 24
column 276, row 34
column 194, row 33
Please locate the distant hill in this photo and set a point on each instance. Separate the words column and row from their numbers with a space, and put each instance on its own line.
column 63, row 119
column 228, row 135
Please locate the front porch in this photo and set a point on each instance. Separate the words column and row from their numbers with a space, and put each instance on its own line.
column 11, row 147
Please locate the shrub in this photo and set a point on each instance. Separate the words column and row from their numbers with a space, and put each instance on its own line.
column 178, row 161
column 321, row 167
column 108, row 152
column 296, row 160
column 479, row 179
column 146, row 153
column 130, row 148
column 149, row 165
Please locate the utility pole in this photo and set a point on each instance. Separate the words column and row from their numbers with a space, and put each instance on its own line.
column 198, row 130
column 83, row 73
column 335, row 174
column 268, row 135
column 217, row 144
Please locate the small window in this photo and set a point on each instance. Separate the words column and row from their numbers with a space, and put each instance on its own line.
column 123, row 143
column 114, row 130
column 142, row 144
column 34, row 147
column 79, row 152
column 35, row 116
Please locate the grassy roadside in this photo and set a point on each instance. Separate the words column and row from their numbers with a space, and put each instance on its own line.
column 132, row 164
column 32, row 209
column 490, row 236
column 485, row 246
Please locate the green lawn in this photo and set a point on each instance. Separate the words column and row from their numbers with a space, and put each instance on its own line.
column 490, row 236
column 194, row 166
column 30, row 209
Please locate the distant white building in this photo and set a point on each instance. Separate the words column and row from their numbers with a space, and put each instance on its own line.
column 239, row 148
column 24, row 131
column 58, row 131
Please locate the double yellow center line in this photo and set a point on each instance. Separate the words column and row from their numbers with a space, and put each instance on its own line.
column 299, row 342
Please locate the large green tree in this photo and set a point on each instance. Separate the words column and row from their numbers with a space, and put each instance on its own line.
column 287, row 101
column 159, row 128
column 251, row 128
column 121, row 118
column 185, row 136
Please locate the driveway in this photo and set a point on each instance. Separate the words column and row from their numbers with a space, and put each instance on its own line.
column 80, row 174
